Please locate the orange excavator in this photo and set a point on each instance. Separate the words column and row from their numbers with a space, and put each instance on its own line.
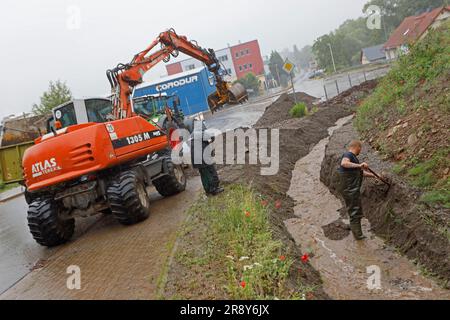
column 106, row 166
column 127, row 76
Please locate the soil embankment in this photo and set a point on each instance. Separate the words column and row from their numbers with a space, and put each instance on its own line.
column 297, row 138
column 350, row 270
column 419, row 231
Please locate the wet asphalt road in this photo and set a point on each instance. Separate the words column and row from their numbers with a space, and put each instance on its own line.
column 244, row 116
column 18, row 251
column 27, row 269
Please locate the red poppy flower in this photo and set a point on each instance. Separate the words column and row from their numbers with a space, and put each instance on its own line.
column 243, row 284
column 305, row 258
column 278, row 204
column 264, row 203
column 247, row 214
column 282, row 258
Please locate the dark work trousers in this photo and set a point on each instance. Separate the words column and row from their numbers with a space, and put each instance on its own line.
column 208, row 172
column 210, row 178
column 351, row 183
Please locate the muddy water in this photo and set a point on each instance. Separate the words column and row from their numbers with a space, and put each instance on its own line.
column 349, row 269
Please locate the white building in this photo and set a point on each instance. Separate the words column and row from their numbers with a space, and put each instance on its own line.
column 224, row 57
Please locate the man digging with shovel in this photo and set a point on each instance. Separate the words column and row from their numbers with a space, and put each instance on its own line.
column 352, row 173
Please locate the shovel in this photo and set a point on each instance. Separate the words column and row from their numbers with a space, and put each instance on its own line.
column 381, row 179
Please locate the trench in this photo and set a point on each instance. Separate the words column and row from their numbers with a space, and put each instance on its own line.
column 350, row 270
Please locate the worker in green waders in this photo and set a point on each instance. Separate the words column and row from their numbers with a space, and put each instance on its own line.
column 352, row 173
column 208, row 173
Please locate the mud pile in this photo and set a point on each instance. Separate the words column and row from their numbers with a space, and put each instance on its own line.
column 420, row 232
column 279, row 111
column 297, row 138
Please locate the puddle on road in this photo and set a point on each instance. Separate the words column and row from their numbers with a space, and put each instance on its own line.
column 344, row 264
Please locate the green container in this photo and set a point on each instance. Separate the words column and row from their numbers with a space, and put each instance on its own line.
column 11, row 162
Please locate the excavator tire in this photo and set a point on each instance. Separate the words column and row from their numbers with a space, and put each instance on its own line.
column 47, row 226
column 128, row 198
column 172, row 183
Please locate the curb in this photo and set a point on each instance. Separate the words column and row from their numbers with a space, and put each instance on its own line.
column 11, row 194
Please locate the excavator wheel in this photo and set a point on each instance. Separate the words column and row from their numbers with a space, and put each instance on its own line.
column 46, row 224
column 128, row 198
column 172, row 183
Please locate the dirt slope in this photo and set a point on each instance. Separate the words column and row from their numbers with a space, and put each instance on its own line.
column 399, row 217
column 345, row 264
column 297, row 137
column 407, row 118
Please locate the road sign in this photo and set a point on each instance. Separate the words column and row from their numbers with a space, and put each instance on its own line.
column 288, row 66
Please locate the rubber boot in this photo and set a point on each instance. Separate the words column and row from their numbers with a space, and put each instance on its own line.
column 217, row 191
column 357, row 230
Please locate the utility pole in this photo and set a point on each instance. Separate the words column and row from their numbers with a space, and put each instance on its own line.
column 278, row 75
column 293, row 87
column 332, row 58
column 384, row 21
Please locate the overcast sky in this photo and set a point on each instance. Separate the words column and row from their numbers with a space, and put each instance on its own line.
column 45, row 40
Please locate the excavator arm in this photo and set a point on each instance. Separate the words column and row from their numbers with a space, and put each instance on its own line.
column 125, row 77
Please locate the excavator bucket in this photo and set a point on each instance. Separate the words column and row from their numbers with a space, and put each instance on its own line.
column 236, row 94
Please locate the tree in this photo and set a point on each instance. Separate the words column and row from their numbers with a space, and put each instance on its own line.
column 251, row 82
column 303, row 57
column 276, row 64
column 58, row 93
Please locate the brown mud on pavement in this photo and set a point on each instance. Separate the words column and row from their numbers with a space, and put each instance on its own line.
column 116, row 262
column 343, row 263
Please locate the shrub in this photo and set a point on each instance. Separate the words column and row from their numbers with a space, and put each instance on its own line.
column 299, row 110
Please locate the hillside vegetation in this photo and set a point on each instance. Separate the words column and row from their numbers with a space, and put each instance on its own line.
column 408, row 117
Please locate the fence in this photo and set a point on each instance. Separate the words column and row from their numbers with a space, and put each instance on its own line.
column 335, row 85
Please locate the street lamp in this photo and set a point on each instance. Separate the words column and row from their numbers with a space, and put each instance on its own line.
column 332, row 57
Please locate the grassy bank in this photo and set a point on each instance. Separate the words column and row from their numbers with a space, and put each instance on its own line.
column 227, row 250
column 6, row 187
column 408, row 117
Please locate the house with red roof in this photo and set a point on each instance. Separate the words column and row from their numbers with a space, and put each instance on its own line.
column 414, row 29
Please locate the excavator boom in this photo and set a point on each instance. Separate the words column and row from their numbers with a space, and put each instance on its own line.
column 125, row 77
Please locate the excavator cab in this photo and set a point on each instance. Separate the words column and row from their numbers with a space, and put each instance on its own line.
column 80, row 111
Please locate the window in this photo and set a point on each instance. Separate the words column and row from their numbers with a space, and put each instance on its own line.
column 250, row 66
column 240, row 68
column 242, row 53
column 245, row 66
column 190, row 67
column 237, row 54
column 223, row 58
column 247, row 51
column 98, row 109
column 229, row 71
column 66, row 115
